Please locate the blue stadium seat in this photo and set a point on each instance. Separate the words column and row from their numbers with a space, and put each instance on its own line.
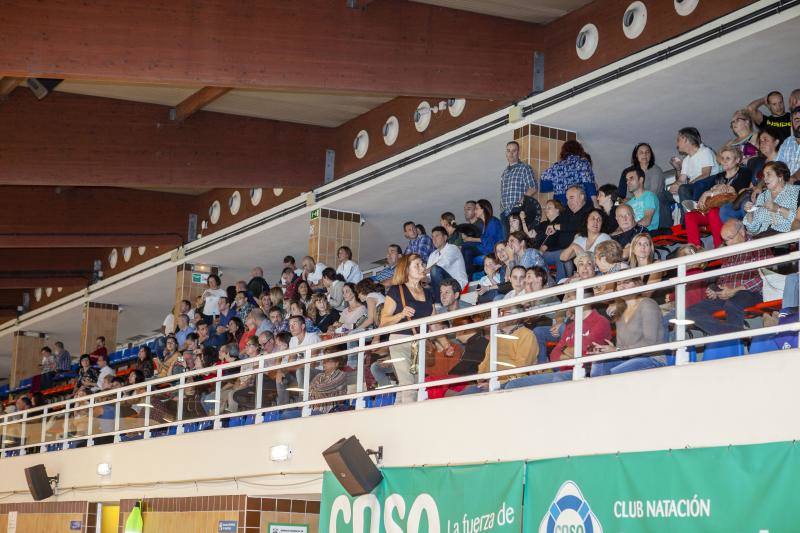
column 272, row 416
column 380, row 400
column 718, row 350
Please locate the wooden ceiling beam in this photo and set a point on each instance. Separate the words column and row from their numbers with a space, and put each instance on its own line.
column 7, row 85
column 196, row 102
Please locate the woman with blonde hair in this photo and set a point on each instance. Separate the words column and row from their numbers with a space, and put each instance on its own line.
column 406, row 300
column 643, row 253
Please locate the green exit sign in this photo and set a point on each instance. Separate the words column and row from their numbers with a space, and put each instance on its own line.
column 314, row 214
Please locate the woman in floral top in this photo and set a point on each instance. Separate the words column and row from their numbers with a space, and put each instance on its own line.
column 573, row 168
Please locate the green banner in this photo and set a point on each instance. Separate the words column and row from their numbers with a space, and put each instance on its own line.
column 735, row 488
column 457, row 499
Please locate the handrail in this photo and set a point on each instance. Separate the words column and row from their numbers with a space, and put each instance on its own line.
column 659, row 266
column 260, row 364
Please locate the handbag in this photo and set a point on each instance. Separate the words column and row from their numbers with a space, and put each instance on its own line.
column 719, row 200
column 773, row 284
column 415, row 343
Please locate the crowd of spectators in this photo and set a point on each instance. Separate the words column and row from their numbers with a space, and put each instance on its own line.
column 741, row 191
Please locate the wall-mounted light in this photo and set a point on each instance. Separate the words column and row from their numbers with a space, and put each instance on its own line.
column 634, row 20
column 104, row 469
column 586, row 42
column 422, row 116
column 685, row 7
column 391, row 129
column 281, row 452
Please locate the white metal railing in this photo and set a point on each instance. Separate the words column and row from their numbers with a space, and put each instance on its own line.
column 82, row 420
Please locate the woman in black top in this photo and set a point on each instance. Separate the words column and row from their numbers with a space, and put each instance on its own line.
column 87, row 374
column 321, row 312
column 548, row 238
column 406, row 300
column 144, row 362
column 474, row 349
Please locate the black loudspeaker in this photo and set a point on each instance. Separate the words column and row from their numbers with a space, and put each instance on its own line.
column 39, row 482
column 352, row 466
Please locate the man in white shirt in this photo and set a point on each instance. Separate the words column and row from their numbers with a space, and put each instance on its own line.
column 517, row 280
column 300, row 338
column 312, row 271
column 446, row 261
column 105, row 370
column 699, row 164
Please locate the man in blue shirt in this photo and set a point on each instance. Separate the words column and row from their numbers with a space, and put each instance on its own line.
column 790, row 149
column 184, row 328
column 385, row 275
column 63, row 358
column 644, row 203
column 418, row 243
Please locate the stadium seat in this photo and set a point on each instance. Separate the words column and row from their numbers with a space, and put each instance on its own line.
column 718, row 350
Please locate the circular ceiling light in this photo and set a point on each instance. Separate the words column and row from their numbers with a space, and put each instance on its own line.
column 112, row 258
column 685, row 7
column 59, row 289
column 455, row 106
column 391, row 129
column 37, row 293
column 141, row 250
column 234, row 202
column 277, row 191
column 126, row 253
column 48, row 291
column 361, row 144
column 422, row 116
column 587, row 40
column 214, row 211
column 634, row 20
column 255, row 195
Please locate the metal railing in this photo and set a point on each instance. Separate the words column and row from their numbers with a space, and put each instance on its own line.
column 194, row 400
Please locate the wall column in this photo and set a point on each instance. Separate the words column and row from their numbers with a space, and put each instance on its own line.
column 99, row 320
column 25, row 355
column 331, row 229
column 540, row 146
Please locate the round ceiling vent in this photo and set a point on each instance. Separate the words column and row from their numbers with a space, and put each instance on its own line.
column 235, row 202
column 634, row 20
column 455, row 106
column 277, row 191
column 685, row 7
column 126, row 253
column 141, row 250
column 112, row 258
column 59, row 289
column 255, row 195
column 214, row 211
column 587, row 40
column 422, row 116
column 48, row 291
column 361, row 144
column 37, row 293
column 391, row 129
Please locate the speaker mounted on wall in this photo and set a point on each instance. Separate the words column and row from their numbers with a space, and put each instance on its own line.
column 39, row 483
column 352, row 466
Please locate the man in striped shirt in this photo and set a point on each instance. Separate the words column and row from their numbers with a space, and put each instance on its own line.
column 385, row 275
column 734, row 292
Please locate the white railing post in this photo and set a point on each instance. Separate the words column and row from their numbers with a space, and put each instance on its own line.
column 422, row 394
column 306, row 381
column 494, row 383
column 3, row 435
column 259, row 401
column 578, row 372
column 66, row 422
column 360, row 371
column 116, row 415
column 23, row 436
column 90, row 422
column 43, row 436
column 217, row 393
column 681, row 354
column 147, row 400
column 179, row 408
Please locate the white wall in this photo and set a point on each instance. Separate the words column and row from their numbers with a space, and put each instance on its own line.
column 735, row 401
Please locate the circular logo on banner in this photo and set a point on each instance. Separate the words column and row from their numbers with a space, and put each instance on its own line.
column 570, row 513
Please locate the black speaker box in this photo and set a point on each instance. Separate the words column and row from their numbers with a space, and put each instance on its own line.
column 352, row 466
column 38, row 482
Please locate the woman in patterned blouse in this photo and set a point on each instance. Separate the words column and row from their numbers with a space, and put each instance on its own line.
column 776, row 207
column 573, row 168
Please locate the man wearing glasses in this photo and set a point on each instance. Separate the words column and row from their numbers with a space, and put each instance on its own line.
column 733, row 292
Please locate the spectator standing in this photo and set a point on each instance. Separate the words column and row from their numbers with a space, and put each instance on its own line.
column 516, row 182
column 574, row 168
column 211, row 298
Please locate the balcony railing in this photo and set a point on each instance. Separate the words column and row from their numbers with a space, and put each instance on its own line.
column 193, row 400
